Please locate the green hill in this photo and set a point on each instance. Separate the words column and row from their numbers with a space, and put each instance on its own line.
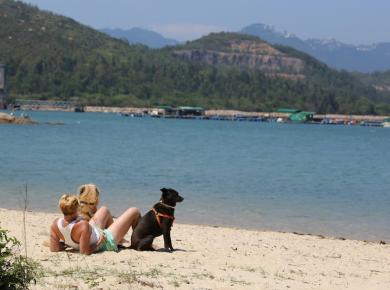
column 379, row 80
column 53, row 57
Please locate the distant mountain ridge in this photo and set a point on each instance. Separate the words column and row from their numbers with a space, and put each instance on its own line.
column 49, row 56
column 362, row 58
column 336, row 54
column 137, row 35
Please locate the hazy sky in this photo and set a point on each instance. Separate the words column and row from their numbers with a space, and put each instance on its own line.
column 350, row 21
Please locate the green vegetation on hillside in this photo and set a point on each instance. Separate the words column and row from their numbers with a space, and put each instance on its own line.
column 380, row 80
column 219, row 41
column 53, row 57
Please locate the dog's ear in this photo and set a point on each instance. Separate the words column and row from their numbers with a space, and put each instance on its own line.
column 164, row 192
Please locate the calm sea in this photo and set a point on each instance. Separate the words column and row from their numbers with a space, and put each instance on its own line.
column 332, row 180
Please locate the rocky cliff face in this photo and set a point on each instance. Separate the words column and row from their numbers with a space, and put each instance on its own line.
column 248, row 54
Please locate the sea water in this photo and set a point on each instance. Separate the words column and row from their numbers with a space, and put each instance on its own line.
column 320, row 179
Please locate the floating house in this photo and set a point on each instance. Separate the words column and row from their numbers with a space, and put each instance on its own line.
column 297, row 115
column 183, row 111
column 166, row 110
column 288, row 111
column 302, row 116
column 190, row 111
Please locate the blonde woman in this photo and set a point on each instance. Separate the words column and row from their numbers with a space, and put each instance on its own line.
column 89, row 198
column 72, row 230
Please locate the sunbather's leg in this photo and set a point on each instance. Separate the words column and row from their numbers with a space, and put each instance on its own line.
column 102, row 218
column 123, row 223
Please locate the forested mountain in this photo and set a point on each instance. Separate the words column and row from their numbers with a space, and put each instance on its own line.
column 53, row 57
column 362, row 58
column 143, row 36
column 379, row 80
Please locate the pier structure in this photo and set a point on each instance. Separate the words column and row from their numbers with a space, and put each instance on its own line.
column 47, row 105
column 3, row 92
column 283, row 116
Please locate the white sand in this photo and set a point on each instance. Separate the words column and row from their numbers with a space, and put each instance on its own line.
column 210, row 258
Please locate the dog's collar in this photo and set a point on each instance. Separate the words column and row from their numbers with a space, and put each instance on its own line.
column 167, row 205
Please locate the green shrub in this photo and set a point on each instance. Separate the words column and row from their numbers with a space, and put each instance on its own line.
column 16, row 271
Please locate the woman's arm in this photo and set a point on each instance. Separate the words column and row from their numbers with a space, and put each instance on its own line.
column 85, row 231
column 55, row 244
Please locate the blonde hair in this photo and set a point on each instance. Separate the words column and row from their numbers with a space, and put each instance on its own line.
column 89, row 200
column 68, row 204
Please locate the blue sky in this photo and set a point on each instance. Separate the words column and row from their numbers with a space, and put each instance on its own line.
column 350, row 21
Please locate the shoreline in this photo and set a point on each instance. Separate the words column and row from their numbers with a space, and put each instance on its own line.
column 209, row 258
column 207, row 113
column 344, row 236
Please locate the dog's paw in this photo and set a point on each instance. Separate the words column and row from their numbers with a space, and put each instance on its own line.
column 165, row 250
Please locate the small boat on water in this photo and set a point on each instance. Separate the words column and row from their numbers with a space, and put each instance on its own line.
column 371, row 124
column 79, row 109
column 386, row 123
column 139, row 115
column 24, row 115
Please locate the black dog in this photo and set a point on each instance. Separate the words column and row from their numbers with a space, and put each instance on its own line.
column 156, row 222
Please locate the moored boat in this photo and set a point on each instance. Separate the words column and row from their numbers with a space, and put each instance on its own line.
column 386, row 123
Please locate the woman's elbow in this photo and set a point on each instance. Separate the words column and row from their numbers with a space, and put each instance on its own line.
column 86, row 252
column 54, row 248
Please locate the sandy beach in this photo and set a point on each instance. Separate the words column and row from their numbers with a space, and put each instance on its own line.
column 209, row 258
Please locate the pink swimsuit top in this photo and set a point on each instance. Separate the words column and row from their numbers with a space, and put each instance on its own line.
column 67, row 233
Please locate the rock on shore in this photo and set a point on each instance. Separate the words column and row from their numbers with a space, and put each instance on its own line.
column 9, row 119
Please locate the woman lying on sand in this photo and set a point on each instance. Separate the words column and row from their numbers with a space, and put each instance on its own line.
column 88, row 237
